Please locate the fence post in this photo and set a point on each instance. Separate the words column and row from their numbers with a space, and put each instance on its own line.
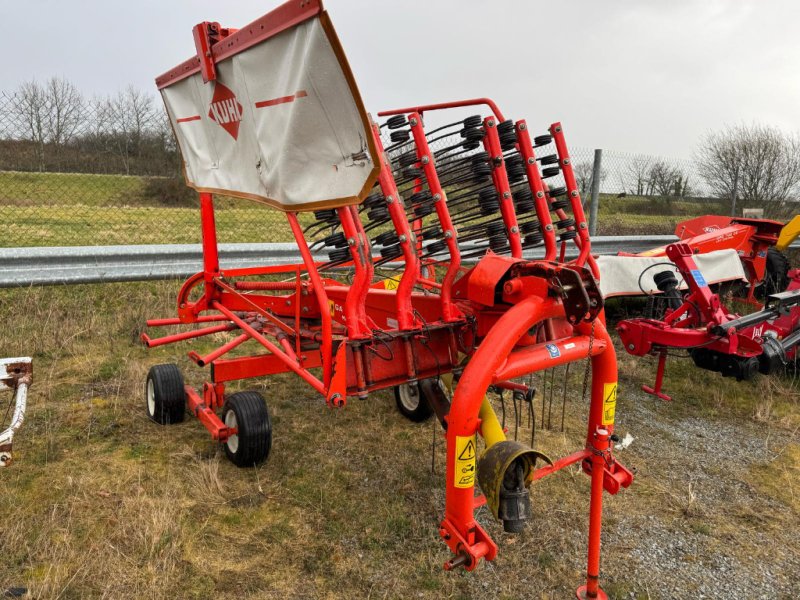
column 595, row 200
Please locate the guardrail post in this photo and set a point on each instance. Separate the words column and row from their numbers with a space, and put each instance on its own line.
column 595, row 200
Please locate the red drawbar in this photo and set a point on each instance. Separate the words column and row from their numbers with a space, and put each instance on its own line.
column 281, row 100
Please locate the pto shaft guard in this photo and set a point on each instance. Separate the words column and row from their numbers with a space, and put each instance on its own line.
column 505, row 472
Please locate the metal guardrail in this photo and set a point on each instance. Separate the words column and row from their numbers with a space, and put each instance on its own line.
column 108, row 264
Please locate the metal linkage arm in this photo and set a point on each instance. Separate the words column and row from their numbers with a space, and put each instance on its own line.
column 15, row 374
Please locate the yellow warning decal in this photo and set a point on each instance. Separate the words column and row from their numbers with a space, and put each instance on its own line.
column 465, row 461
column 332, row 306
column 391, row 283
column 609, row 403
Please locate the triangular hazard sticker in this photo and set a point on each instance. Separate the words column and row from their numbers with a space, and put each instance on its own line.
column 468, row 453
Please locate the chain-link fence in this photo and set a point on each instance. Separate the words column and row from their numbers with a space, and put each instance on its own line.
column 643, row 194
column 79, row 171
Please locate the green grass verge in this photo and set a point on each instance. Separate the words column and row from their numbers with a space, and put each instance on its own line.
column 45, row 209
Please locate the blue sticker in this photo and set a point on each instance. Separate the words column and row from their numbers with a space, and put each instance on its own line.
column 553, row 350
column 762, row 254
column 698, row 278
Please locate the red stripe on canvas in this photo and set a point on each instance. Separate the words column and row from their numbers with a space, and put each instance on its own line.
column 281, row 100
column 187, row 119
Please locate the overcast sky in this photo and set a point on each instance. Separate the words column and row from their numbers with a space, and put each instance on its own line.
column 637, row 76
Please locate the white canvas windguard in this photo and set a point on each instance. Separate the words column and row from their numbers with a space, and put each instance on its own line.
column 283, row 124
column 633, row 275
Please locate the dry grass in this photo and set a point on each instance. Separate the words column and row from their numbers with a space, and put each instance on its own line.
column 103, row 503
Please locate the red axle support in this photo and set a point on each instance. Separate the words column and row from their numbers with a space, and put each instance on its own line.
column 205, row 414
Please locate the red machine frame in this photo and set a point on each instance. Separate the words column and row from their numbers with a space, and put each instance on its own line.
column 501, row 319
column 719, row 341
column 751, row 238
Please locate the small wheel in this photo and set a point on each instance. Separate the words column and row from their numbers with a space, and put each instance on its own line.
column 164, row 394
column 776, row 276
column 247, row 413
column 412, row 402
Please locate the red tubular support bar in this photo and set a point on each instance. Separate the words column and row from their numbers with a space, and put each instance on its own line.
column 459, row 522
column 177, row 321
column 265, row 285
column 355, row 314
column 287, row 360
column 444, row 105
column 491, row 142
column 202, row 361
column 426, row 159
column 572, row 189
column 538, row 189
column 405, row 313
column 326, row 344
column 184, row 335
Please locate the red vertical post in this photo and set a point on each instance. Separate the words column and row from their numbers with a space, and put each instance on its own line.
column 209, row 228
column 592, row 588
column 600, row 428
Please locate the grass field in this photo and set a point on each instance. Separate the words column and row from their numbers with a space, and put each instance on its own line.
column 101, row 502
column 82, row 209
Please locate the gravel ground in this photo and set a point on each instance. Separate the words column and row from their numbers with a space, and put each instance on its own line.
column 718, row 536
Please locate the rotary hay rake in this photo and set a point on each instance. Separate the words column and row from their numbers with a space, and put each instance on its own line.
column 270, row 112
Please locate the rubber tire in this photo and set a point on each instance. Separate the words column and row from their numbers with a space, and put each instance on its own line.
column 417, row 413
column 168, row 403
column 776, row 276
column 254, row 438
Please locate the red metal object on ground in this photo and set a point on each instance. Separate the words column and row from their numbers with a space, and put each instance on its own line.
column 346, row 334
column 717, row 340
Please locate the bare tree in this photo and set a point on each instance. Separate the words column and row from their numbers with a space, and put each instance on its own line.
column 667, row 181
column 65, row 107
column 50, row 114
column 758, row 164
column 637, row 175
column 584, row 173
column 30, row 107
column 132, row 116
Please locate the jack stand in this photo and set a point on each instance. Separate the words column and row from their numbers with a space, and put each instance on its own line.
column 656, row 390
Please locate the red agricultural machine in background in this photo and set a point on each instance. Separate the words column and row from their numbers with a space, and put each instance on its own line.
column 270, row 112
column 717, row 340
column 754, row 240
